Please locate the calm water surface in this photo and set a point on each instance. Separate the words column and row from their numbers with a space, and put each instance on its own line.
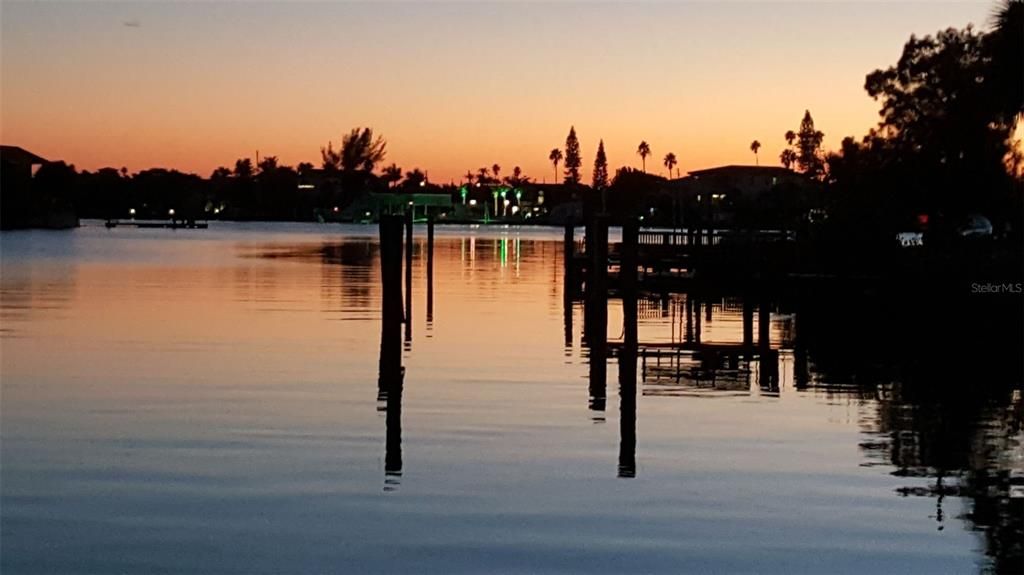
column 206, row 402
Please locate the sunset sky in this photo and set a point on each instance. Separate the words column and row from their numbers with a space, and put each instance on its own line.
column 451, row 86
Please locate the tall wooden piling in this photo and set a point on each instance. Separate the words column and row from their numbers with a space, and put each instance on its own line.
column 430, row 268
column 596, row 321
column 408, row 275
column 768, row 360
column 569, row 283
column 390, row 372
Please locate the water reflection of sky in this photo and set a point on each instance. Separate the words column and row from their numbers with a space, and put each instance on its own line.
column 206, row 401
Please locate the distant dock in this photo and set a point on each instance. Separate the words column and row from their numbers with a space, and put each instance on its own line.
column 153, row 224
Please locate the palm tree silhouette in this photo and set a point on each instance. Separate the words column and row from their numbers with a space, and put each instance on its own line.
column 644, row 150
column 670, row 162
column 469, row 177
column 788, row 158
column 555, row 156
column 483, row 175
column 754, row 147
column 392, row 174
column 496, row 169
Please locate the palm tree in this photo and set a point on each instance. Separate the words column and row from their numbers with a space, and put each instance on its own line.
column 392, row 174
column 469, row 177
column 754, row 147
column 496, row 169
column 670, row 162
column 790, row 136
column 788, row 158
column 644, row 150
column 555, row 156
column 483, row 175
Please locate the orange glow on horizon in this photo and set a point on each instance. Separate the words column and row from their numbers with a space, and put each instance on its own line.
column 187, row 87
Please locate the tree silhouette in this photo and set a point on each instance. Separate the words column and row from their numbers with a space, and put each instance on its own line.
column 330, row 159
column 555, row 156
column 809, row 140
column 572, row 157
column 947, row 121
column 268, row 164
column 805, row 149
column 600, row 180
column 754, row 147
column 1005, row 47
column 483, row 176
column 643, row 150
column 414, row 179
column 361, row 151
column 517, row 178
column 788, row 158
column 496, row 170
column 670, row 162
column 469, row 177
column 392, row 175
column 243, row 168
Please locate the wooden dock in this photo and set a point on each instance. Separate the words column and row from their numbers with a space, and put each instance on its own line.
column 158, row 224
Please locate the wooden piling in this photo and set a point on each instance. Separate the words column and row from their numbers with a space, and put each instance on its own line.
column 596, row 322
column 569, row 283
column 408, row 275
column 430, row 268
column 390, row 372
column 748, row 322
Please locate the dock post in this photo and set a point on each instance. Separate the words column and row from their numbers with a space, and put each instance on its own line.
column 408, row 276
column 768, row 361
column 569, row 283
column 627, row 279
column 628, row 354
column 696, row 319
column 688, row 337
column 568, row 255
column 390, row 370
column 430, row 269
column 800, row 364
column 764, row 325
column 596, row 322
column 748, row 322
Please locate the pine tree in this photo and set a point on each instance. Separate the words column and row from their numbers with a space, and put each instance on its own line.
column 600, row 168
column 572, row 157
column 808, row 147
